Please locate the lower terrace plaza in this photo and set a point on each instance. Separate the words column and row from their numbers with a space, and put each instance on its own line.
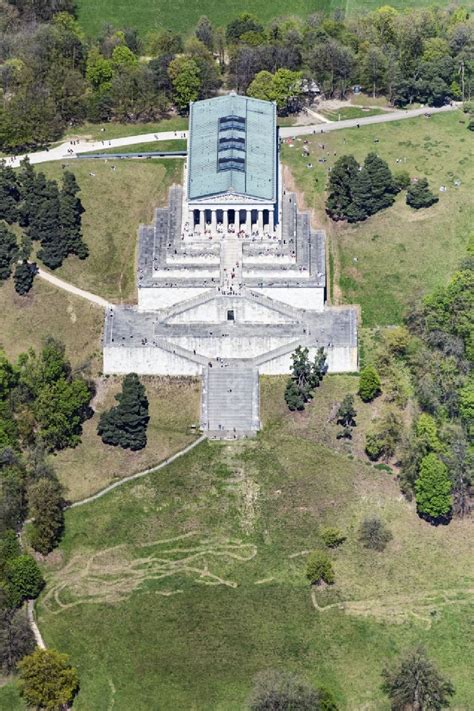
column 231, row 275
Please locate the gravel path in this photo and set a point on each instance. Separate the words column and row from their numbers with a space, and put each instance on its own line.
column 126, row 479
column 61, row 284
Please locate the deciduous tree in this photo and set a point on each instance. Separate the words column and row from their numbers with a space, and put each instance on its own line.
column 433, row 488
column 47, row 679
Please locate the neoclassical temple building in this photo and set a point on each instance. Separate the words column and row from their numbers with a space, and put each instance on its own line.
column 232, row 179
column 231, row 276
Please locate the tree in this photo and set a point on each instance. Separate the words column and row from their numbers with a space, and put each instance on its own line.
column 417, row 684
column 9, row 549
column 16, row 638
column 341, row 180
column 47, row 679
column 301, row 371
column 319, row 568
column 46, row 505
column 23, row 277
column 319, row 368
column 346, row 415
column 60, row 409
column 305, row 377
column 70, row 216
column 9, row 194
column 8, row 252
column 205, row 32
column 419, row 195
column 126, row 423
column 374, row 534
column 287, row 90
column 369, row 383
column 242, row 25
column 293, row 396
column 24, row 579
column 383, row 187
column 374, row 68
column 433, row 488
column 332, row 537
column 185, row 78
column 382, row 440
column 275, row 690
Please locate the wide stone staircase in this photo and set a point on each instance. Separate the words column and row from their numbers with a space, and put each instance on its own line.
column 230, row 401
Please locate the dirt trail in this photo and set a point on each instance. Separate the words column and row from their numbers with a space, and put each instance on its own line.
column 113, row 574
column 397, row 609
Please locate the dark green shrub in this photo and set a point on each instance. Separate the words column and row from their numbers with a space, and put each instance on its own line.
column 319, row 568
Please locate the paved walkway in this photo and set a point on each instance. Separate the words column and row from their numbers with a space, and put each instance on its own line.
column 61, row 284
column 288, row 131
column 83, row 146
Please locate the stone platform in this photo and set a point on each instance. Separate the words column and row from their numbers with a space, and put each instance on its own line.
column 228, row 306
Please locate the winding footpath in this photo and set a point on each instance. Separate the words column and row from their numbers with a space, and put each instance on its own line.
column 138, row 475
column 66, row 286
column 30, row 609
column 83, row 145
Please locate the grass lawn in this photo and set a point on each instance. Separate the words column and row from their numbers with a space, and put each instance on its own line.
column 179, row 144
column 174, row 407
column 47, row 311
column 182, row 15
column 111, row 129
column 10, row 698
column 349, row 112
column 115, row 202
column 385, row 261
column 183, row 585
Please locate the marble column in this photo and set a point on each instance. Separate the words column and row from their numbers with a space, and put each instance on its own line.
column 213, row 222
column 248, row 221
column 271, row 225
column 260, row 221
column 202, row 221
column 225, row 220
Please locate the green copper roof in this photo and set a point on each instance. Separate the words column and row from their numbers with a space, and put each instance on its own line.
column 232, row 148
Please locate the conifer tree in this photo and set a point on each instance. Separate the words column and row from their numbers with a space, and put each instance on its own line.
column 417, row 684
column 419, row 195
column 433, row 488
column 23, row 277
column 27, row 189
column 46, row 225
column 9, row 194
column 383, row 187
column 293, row 396
column 125, row 424
column 70, row 212
column 361, row 195
column 340, row 187
column 369, row 383
column 8, row 252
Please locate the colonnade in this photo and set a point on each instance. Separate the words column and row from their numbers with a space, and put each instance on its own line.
column 222, row 219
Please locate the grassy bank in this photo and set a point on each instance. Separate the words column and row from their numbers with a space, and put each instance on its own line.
column 180, row 587
column 115, row 202
column 384, row 262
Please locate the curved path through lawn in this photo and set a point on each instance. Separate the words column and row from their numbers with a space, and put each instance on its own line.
column 84, row 146
column 61, row 284
column 31, row 603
